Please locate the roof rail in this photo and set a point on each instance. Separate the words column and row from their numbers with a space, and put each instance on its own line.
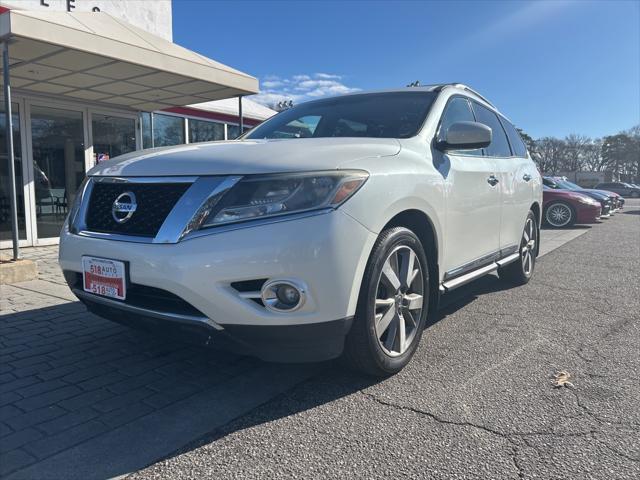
column 465, row 87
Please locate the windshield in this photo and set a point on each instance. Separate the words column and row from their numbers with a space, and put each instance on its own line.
column 374, row 115
column 550, row 183
column 568, row 185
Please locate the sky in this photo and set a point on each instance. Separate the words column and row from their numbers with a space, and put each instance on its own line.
column 552, row 67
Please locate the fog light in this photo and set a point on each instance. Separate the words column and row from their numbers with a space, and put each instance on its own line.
column 282, row 296
column 288, row 295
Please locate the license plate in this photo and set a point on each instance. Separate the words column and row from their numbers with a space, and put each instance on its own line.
column 105, row 277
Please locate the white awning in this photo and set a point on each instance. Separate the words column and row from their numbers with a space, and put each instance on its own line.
column 95, row 57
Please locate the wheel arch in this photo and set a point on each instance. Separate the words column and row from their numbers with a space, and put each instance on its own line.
column 421, row 224
column 537, row 211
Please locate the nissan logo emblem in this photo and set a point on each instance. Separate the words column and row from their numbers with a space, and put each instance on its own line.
column 124, row 207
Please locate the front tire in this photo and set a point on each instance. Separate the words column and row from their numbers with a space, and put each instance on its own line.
column 559, row 215
column 392, row 306
column 521, row 271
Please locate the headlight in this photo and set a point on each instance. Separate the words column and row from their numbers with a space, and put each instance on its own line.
column 588, row 201
column 266, row 196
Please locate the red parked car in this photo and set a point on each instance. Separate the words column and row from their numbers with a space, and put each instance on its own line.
column 562, row 208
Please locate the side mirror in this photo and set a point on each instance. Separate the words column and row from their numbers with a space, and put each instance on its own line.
column 465, row 136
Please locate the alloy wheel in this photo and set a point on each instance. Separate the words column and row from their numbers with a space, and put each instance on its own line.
column 399, row 301
column 559, row 215
column 528, row 246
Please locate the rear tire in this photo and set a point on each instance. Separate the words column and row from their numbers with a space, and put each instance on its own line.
column 392, row 305
column 521, row 271
column 559, row 215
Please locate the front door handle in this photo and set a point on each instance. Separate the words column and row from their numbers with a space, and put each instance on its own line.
column 526, row 177
column 492, row 180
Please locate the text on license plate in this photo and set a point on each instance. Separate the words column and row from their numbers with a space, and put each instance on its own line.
column 103, row 276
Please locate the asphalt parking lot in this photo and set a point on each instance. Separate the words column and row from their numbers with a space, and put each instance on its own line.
column 84, row 398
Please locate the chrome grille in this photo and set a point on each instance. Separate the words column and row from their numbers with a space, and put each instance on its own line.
column 154, row 202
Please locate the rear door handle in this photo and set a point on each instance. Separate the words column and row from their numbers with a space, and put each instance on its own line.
column 526, row 177
column 492, row 180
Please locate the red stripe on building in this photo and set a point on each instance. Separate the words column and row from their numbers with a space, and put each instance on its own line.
column 221, row 117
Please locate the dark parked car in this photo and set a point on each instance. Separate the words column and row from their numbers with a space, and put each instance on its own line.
column 621, row 188
column 617, row 201
column 608, row 200
column 563, row 208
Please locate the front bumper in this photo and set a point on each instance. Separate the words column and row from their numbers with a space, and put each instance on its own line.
column 588, row 213
column 312, row 342
column 326, row 252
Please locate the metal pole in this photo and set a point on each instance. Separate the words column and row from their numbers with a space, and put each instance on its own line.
column 153, row 134
column 241, row 122
column 10, row 153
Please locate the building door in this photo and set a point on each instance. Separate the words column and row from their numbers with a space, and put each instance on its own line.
column 5, row 201
column 112, row 135
column 58, row 154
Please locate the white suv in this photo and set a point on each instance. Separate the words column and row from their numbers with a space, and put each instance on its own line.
column 334, row 226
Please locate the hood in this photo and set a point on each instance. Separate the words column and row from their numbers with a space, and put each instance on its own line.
column 246, row 157
column 567, row 194
column 606, row 193
column 597, row 194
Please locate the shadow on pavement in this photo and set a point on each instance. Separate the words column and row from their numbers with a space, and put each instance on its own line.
column 570, row 227
column 67, row 377
column 83, row 397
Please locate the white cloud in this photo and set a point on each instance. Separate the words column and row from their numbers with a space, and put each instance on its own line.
column 328, row 76
column 272, row 84
column 300, row 88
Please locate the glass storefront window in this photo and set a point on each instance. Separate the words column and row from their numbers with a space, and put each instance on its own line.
column 5, row 205
column 233, row 132
column 146, row 130
column 112, row 136
column 203, row 131
column 58, row 164
column 167, row 130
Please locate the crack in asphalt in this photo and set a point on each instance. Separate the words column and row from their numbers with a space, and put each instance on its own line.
column 514, row 446
column 595, row 417
column 512, row 436
column 616, row 451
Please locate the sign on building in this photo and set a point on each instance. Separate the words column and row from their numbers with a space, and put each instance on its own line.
column 154, row 16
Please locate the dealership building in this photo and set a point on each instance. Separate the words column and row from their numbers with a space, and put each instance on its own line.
column 93, row 79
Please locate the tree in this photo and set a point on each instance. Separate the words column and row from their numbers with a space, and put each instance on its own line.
column 549, row 153
column 593, row 161
column 622, row 153
column 618, row 153
column 575, row 152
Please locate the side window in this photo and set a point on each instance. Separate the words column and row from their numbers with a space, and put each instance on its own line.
column 517, row 145
column 458, row 110
column 499, row 144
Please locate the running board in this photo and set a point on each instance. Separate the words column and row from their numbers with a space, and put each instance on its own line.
column 507, row 260
column 469, row 277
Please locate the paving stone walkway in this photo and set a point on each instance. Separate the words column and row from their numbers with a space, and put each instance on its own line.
column 71, row 381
